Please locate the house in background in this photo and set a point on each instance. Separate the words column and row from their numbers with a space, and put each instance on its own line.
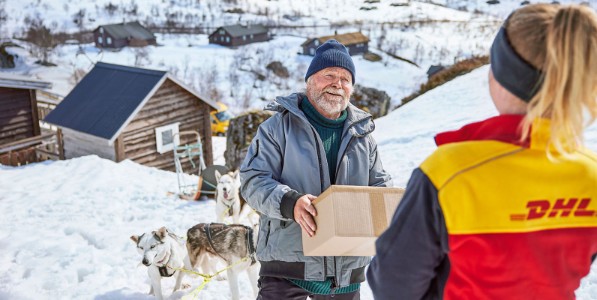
column 238, row 35
column 356, row 42
column 22, row 141
column 434, row 69
column 120, row 112
column 121, row 35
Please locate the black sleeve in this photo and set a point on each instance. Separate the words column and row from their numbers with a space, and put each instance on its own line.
column 411, row 255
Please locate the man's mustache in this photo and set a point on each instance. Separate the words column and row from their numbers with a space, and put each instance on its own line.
column 339, row 92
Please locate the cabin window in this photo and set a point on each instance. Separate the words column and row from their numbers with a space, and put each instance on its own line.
column 312, row 51
column 100, row 40
column 244, row 37
column 101, row 30
column 316, row 43
column 251, row 36
column 166, row 137
column 221, row 31
column 109, row 40
column 227, row 39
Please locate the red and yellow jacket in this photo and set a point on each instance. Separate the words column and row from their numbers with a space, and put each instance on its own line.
column 487, row 216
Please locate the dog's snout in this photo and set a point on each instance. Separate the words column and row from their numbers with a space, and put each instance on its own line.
column 145, row 261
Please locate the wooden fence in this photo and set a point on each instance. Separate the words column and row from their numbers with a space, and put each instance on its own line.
column 47, row 146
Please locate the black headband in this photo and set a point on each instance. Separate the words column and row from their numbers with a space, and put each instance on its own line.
column 512, row 71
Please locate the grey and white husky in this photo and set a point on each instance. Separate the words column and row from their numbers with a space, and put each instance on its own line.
column 163, row 253
column 228, row 200
column 229, row 244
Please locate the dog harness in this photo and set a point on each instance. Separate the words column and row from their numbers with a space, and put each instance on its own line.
column 164, row 269
column 250, row 247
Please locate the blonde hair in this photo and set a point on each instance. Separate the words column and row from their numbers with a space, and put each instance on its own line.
column 561, row 41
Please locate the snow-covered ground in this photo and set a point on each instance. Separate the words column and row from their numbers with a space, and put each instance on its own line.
column 66, row 224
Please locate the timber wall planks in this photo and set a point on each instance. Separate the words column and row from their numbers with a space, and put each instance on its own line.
column 17, row 118
column 170, row 104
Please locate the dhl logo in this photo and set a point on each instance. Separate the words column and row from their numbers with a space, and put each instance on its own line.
column 538, row 209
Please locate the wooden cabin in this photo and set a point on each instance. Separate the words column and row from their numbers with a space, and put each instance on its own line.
column 20, row 133
column 238, row 35
column 355, row 42
column 434, row 69
column 120, row 112
column 120, row 35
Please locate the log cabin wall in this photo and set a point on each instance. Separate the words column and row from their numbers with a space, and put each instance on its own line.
column 170, row 104
column 17, row 118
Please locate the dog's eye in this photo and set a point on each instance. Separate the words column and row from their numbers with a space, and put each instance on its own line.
column 152, row 246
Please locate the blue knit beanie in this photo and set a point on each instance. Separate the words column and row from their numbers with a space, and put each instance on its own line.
column 331, row 54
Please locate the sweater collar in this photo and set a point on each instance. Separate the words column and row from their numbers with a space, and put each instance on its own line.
column 312, row 113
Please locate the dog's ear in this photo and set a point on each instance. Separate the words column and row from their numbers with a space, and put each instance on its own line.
column 235, row 174
column 162, row 232
column 218, row 175
column 135, row 238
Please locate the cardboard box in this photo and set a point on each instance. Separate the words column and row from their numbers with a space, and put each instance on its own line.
column 349, row 220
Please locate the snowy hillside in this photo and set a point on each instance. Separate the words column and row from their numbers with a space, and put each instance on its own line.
column 66, row 224
column 425, row 33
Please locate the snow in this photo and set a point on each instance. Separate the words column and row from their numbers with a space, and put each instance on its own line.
column 66, row 224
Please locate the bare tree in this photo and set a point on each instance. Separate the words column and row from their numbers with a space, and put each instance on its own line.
column 111, row 8
column 3, row 15
column 41, row 38
column 141, row 56
column 79, row 18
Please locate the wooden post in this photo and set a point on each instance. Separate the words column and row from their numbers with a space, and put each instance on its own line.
column 60, row 142
column 34, row 114
column 119, row 148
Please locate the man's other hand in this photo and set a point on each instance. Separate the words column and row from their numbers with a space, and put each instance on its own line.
column 304, row 212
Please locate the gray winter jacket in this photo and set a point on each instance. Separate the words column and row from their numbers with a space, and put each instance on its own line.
column 286, row 160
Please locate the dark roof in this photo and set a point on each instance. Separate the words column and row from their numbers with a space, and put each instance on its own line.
column 240, row 30
column 105, row 99
column 434, row 69
column 345, row 39
column 126, row 30
column 22, row 82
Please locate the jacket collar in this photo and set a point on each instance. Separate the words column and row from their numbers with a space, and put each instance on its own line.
column 359, row 122
column 503, row 128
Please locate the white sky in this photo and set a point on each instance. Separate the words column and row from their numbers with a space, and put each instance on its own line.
column 66, row 224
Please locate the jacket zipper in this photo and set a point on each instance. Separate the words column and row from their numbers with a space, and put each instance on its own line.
column 342, row 157
column 325, row 265
column 334, row 279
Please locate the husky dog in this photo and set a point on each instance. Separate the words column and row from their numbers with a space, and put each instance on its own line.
column 229, row 203
column 163, row 254
column 228, row 243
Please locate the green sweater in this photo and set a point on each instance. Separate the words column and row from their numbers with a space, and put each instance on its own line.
column 330, row 132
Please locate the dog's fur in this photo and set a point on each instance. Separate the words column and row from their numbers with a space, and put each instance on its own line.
column 162, row 249
column 228, row 243
column 228, row 199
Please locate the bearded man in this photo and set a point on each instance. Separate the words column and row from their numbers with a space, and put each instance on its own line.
column 315, row 139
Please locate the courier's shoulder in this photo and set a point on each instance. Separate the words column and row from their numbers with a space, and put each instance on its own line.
column 451, row 159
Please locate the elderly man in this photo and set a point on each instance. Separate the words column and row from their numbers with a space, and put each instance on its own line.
column 315, row 140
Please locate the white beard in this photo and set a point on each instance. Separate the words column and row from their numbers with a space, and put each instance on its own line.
column 329, row 103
